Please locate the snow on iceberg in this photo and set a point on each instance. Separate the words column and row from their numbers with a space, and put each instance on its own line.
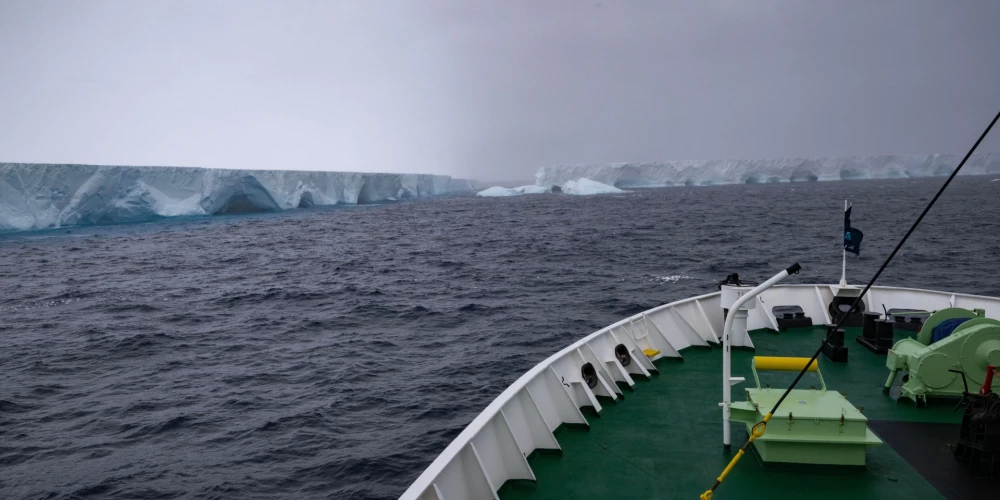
column 497, row 191
column 696, row 173
column 37, row 196
column 586, row 186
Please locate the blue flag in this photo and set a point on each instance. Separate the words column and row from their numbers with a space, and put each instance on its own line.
column 852, row 236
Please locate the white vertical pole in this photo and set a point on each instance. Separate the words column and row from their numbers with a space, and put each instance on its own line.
column 727, row 329
column 843, row 269
column 739, row 320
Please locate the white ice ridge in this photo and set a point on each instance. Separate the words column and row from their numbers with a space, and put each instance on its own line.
column 497, row 191
column 37, row 196
column 700, row 173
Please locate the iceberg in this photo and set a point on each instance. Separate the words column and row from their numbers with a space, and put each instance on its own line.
column 587, row 187
column 38, row 196
column 497, row 191
column 710, row 172
column 533, row 189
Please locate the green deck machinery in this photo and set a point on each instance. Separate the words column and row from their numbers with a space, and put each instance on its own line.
column 934, row 368
column 812, row 426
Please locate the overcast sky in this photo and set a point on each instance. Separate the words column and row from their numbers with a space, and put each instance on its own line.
column 490, row 89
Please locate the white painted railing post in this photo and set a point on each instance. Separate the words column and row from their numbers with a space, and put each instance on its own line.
column 727, row 379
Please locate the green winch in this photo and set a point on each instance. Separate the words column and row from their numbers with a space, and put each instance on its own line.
column 934, row 368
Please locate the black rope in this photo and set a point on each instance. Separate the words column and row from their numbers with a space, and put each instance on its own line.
column 885, row 264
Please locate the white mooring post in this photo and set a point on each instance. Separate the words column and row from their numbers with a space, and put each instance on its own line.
column 843, row 269
column 727, row 379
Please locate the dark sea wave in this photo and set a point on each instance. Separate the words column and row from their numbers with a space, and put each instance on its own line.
column 333, row 353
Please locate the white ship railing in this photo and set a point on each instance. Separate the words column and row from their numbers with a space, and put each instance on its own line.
column 494, row 447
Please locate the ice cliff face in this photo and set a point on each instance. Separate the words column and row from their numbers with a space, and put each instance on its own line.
column 700, row 173
column 36, row 196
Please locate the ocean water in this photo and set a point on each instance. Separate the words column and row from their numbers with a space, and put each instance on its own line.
column 333, row 353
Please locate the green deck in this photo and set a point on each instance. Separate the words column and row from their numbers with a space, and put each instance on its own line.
column 664, row 440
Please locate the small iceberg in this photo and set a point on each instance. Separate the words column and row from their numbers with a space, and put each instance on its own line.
column 586, row 187
column 496, row 191
column 532, row 189
column 582, row 186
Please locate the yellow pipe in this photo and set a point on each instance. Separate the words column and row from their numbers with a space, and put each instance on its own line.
column 756, row 432
column 783, row 364
column 732, row 463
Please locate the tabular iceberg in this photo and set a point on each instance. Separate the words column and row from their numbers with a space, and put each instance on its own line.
column 700, row 173
column 37, row 196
